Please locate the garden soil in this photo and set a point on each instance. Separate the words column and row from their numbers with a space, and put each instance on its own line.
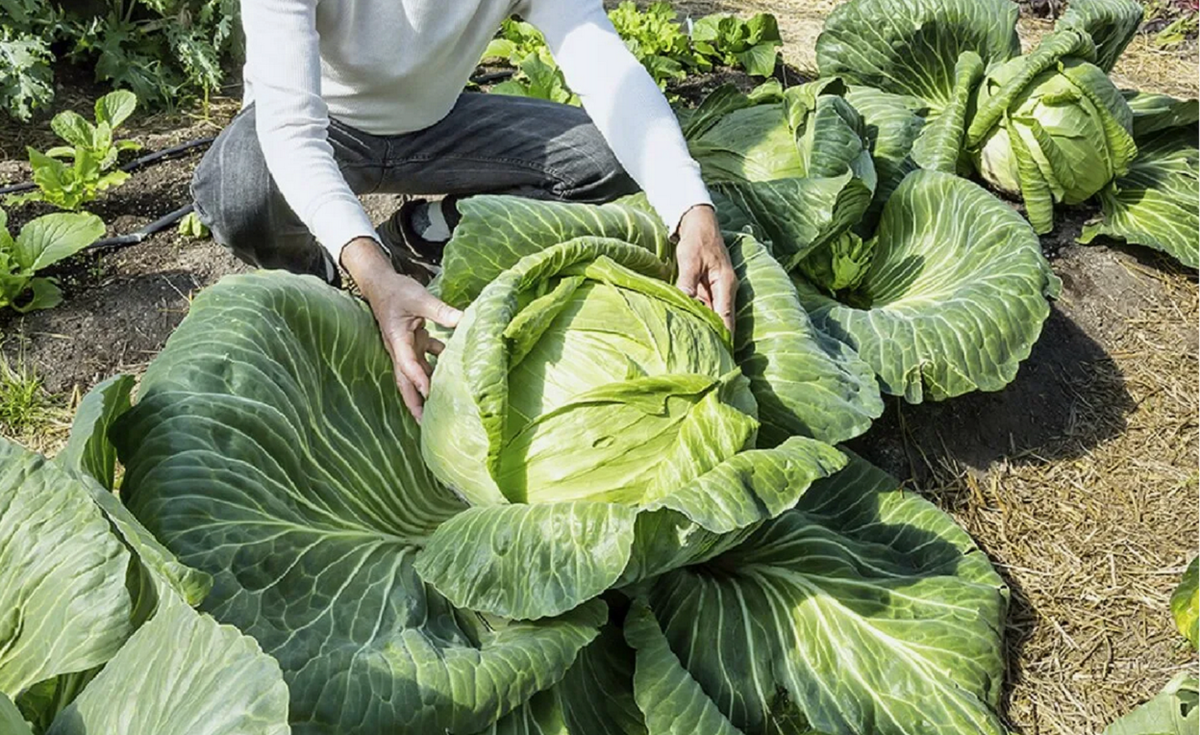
column 1079, row 479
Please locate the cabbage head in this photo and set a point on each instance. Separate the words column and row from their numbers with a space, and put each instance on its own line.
column 1051, row 128
column 581, row 390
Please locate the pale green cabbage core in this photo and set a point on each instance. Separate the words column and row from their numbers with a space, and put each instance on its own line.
column 617, row 388
column 597, row 407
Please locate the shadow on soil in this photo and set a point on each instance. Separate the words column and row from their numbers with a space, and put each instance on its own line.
column 1068, row 388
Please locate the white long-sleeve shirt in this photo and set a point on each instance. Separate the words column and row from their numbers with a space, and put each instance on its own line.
column 389, row 67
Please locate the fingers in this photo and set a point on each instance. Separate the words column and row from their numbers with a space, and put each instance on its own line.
column 431, row 307
column 724, row 287
column 412, row 399
column 689, row 277
column 411, row 370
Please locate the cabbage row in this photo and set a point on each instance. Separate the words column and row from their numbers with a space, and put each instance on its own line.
column 617, row 518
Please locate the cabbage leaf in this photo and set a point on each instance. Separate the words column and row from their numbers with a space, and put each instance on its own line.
column 1154, row 203
column 864, row 609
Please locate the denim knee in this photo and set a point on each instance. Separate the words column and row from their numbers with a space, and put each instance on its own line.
column 593, row 175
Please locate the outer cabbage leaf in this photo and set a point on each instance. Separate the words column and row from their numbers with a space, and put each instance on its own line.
column 11, row 721
column 865, row 609
column 594, row 698
column 805, row 383
column 911, row 47
column 64, row 606
column 270, row 448
column 1175, row 711
column 1112, row 24
column 800, row 215
column 939, row 147
column 497, row 231
column 88, row 448
column 955, row 297
column 1154, row 204
column 807, row 131
column 1185, row 604
column 1153, row 112
column 182, row 674
column 893, row 125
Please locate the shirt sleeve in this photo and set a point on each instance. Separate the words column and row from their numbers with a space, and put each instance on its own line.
column 623, row 101
column 283, row 67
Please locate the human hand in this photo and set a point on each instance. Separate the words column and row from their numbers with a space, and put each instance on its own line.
column 705, row 271
column 400, row 305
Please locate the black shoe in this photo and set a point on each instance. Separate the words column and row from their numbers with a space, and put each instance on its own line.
column 412, row 254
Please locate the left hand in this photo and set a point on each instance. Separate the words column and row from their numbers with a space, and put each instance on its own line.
column 704, row 268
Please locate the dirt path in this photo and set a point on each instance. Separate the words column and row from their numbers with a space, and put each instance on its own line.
column 1079, row 479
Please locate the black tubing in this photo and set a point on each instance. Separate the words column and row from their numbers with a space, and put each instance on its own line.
column 133, row 238
column 493, row 76
column 146, row 160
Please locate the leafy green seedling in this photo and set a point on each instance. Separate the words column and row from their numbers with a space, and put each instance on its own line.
column 191, row 226
column 538, row 76
column 515, row 41
column 752, row 43
column 657, row 40
column 42, row 242
column 92, row 150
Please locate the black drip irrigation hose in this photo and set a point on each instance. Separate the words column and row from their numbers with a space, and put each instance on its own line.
column 146, row 160
column 133, row 238
column 493, row 76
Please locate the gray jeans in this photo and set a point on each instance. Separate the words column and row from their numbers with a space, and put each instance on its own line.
column 488, row 144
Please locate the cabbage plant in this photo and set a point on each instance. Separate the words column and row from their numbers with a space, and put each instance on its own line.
column 1185, row 604
column 586, row 399
column 804, row 152
column 950, row 303
column 1051, row 127
column 269, row 448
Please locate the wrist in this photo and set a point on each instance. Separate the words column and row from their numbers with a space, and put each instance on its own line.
column 364, row 259
column 699, row 216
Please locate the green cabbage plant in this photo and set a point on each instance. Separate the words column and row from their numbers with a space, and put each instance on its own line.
column 1051, row 127
column 589, row 400
column 1185, row 604
column 1174, row 711
column 949, row 303
column 794, row 164
column 270, row 448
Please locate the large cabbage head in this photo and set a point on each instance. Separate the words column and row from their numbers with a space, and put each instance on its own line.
column 597, row 421
column 581, row 374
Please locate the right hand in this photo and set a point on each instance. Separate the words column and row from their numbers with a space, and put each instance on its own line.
column 401, row 305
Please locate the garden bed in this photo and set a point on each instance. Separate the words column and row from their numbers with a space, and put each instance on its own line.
column 1079, row 479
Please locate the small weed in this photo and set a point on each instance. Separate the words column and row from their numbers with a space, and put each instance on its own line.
column 28, row 413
